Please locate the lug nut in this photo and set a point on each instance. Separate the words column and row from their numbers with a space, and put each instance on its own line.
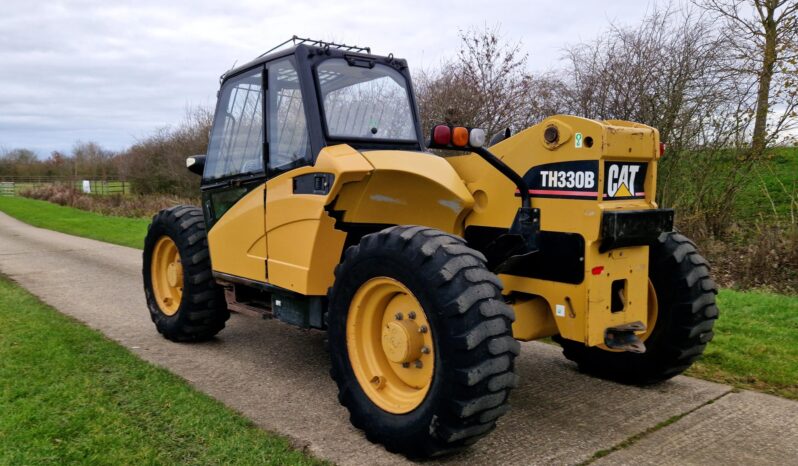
column 424, row 350
column 399, row 316
column 419, row 364
column 405, row 365
column 422, row 329
column 411, row 315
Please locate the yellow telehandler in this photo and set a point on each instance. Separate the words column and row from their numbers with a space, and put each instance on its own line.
column 323, row 207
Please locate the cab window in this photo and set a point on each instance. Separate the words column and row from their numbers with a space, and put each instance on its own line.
column 236, row 142
column 289, row 144
column 365, row 102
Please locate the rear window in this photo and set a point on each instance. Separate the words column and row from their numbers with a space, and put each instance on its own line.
column 365, row 103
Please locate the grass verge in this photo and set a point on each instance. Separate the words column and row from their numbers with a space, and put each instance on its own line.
column 69, row 395
column 117, row 230
column 755, row 345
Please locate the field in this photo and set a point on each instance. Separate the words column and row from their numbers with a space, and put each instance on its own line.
column 69, row 395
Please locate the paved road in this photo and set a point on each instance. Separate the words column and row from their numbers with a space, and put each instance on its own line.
column 277, row 376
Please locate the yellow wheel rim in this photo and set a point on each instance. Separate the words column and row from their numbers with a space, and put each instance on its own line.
column 653, row 312
column 166, row 272
column 390, row 345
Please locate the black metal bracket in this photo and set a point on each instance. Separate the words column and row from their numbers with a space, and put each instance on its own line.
column 633, row 227
column 505, row 170
column 522, row 237
column 519, row 242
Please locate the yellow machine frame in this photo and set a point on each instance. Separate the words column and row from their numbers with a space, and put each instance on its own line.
column 294, row 241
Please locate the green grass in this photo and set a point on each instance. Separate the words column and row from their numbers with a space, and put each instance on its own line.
column 69, row 395
column 773, row 186
column 755, row 345
column 117, row 230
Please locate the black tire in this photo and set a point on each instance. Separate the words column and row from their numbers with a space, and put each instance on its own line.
column 203, row 310
column 687, row 313
column 471, row 326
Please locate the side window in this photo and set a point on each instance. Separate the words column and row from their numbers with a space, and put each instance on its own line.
column 236, row 143
column 289, row 145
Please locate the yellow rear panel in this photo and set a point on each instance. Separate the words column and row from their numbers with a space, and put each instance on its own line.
column 581, row 311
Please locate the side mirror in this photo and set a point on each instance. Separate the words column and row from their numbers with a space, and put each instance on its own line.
column 196, row 164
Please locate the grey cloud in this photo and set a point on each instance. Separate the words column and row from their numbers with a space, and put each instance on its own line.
column 114, row 71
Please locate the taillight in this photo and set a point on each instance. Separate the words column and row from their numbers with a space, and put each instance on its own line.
column 442, row 135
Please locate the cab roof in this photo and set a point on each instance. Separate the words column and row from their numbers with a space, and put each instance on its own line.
column 312, row 47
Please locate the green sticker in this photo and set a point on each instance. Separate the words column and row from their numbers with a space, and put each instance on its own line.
column 578, row 140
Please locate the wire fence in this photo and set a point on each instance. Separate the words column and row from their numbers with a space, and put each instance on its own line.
column 14, row 185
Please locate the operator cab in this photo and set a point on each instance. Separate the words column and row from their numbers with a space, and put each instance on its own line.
column 311, row 95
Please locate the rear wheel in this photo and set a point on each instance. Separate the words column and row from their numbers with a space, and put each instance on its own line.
column 420, row 340
column 682, row 312
column 184, row 302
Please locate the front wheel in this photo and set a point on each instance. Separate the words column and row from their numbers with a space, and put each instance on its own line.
column 682, row 312
column 420, row 340
column 184, row 301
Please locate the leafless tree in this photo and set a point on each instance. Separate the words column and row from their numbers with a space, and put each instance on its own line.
column 91, row 160
column 672, row 72
column 762, row 36
column 156, row 164
column 663, row 72
column 17, row 162
column 487, row 85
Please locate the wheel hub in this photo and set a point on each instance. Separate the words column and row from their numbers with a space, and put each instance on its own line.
column 174, row 274
column 401, row 341
column 166, row 274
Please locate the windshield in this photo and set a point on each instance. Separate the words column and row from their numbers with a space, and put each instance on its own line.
column 363, row 102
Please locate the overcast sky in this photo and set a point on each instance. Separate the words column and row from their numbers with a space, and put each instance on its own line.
column 112, row 72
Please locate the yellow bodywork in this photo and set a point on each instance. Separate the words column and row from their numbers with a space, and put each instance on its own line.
column 304, row 246
column 238, row 240
column 584, row 308
column 296, row 240
column 408, row 188
column 378, row 187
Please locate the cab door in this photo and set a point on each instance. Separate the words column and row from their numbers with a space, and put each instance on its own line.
column 304, row 243
column 233, row 184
